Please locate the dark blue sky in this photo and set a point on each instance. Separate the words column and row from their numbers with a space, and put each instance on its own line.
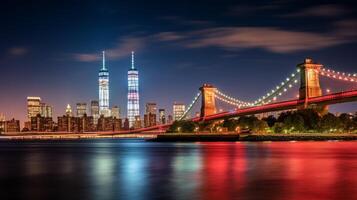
column 52, row 49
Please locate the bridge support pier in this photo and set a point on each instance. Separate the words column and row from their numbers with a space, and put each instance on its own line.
column 310, row 84
column 208, row 105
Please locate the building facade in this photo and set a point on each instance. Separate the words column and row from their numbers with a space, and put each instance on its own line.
column 178, row 111
column 33, row 107
column 115, row 112
column 81, row 109
column 104, row 90
column 162, row 116
column 94, row 110
column 133, row 93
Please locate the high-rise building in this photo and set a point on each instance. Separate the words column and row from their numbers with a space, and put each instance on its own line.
column 137, row 122
column 169, row 119
column 178, row 110
column 150, row 115
column 133, row 92
column 151, row 108
column 68, row 110
column 46, row 110
column 162, row 116
column 81, row 109
column 94, row 111
column 33, row 107
column 104, row 90
column 115, row 112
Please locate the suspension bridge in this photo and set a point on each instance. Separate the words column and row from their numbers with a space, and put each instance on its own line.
column 307, row 75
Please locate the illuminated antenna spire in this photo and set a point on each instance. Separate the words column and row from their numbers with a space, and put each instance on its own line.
column 132, row 60
column 103, row 60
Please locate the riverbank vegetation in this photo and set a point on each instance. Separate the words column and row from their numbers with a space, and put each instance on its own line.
column 301, row 121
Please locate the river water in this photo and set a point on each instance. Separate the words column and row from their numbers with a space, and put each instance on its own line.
column 135, row 169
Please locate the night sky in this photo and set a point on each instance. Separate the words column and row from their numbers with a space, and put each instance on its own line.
column 52, row 49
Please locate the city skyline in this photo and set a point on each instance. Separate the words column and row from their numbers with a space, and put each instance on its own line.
column 175, row 62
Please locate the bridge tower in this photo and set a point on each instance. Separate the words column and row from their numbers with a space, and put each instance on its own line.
column 310, row 83
column 208, row 105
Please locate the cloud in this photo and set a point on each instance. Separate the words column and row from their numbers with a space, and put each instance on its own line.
column 122, row 49
column 18, row 51
column 269, row 38
column 329, row 10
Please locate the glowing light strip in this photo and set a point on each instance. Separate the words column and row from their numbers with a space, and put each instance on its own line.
column 191, row 105
column 338, row 75
column 231, row 98
column 278, row 88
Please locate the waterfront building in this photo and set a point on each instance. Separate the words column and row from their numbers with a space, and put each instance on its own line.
column 86, row 123
column 68, row 123
column 108, row 124
column 162, row 116
column 41, row 124
column 104, row 90
column 94, row 110
column 126, row 124
column 33, row 107
column 2, row 117
column 133, row 92
column 115, row 112
column 10, row 126
column 178, row 111
column 81, row 109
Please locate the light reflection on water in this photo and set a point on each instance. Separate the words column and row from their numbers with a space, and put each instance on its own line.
column 134, row 169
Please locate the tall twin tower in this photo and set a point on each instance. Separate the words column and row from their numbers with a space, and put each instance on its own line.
column 133, row 91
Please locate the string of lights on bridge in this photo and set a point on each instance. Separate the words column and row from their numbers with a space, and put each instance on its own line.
column 281, row 88
column 191, row 105
column 338, row 75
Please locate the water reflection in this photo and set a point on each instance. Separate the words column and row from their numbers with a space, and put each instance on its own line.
column 134, row 169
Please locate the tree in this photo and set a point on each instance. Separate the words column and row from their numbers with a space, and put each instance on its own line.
column 294, row 123
column 270, row 120
column 230, row 124
column 182, row 127
column 347, row 122
column 278, row 127
column 311, row 118
column 260, row 126
column 330, row 123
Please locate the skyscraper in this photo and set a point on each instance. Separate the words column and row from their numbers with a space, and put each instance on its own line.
column 178, row 110
column 115, row 112
column 81, row 109
column 33, row 107
column 68, row 110
column 46, row 110
column 94, row 111
column 162, row 116
column 133, row 92
column 104, row 90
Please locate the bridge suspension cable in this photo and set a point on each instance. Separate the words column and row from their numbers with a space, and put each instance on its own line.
column 281, row 88
column 191, row 105
column 231, row 100
column 350, row 77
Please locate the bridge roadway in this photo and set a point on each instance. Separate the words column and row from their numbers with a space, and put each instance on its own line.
column 335, row 98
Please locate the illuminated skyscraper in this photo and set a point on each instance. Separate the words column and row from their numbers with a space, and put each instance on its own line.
column 104, row 90
column 81, row 109
column 178, row 110
column 133, row 92
column 33, row 107
column 94, row 111
column 115, row 112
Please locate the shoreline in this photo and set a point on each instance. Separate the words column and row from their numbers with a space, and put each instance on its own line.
column 185, row 137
